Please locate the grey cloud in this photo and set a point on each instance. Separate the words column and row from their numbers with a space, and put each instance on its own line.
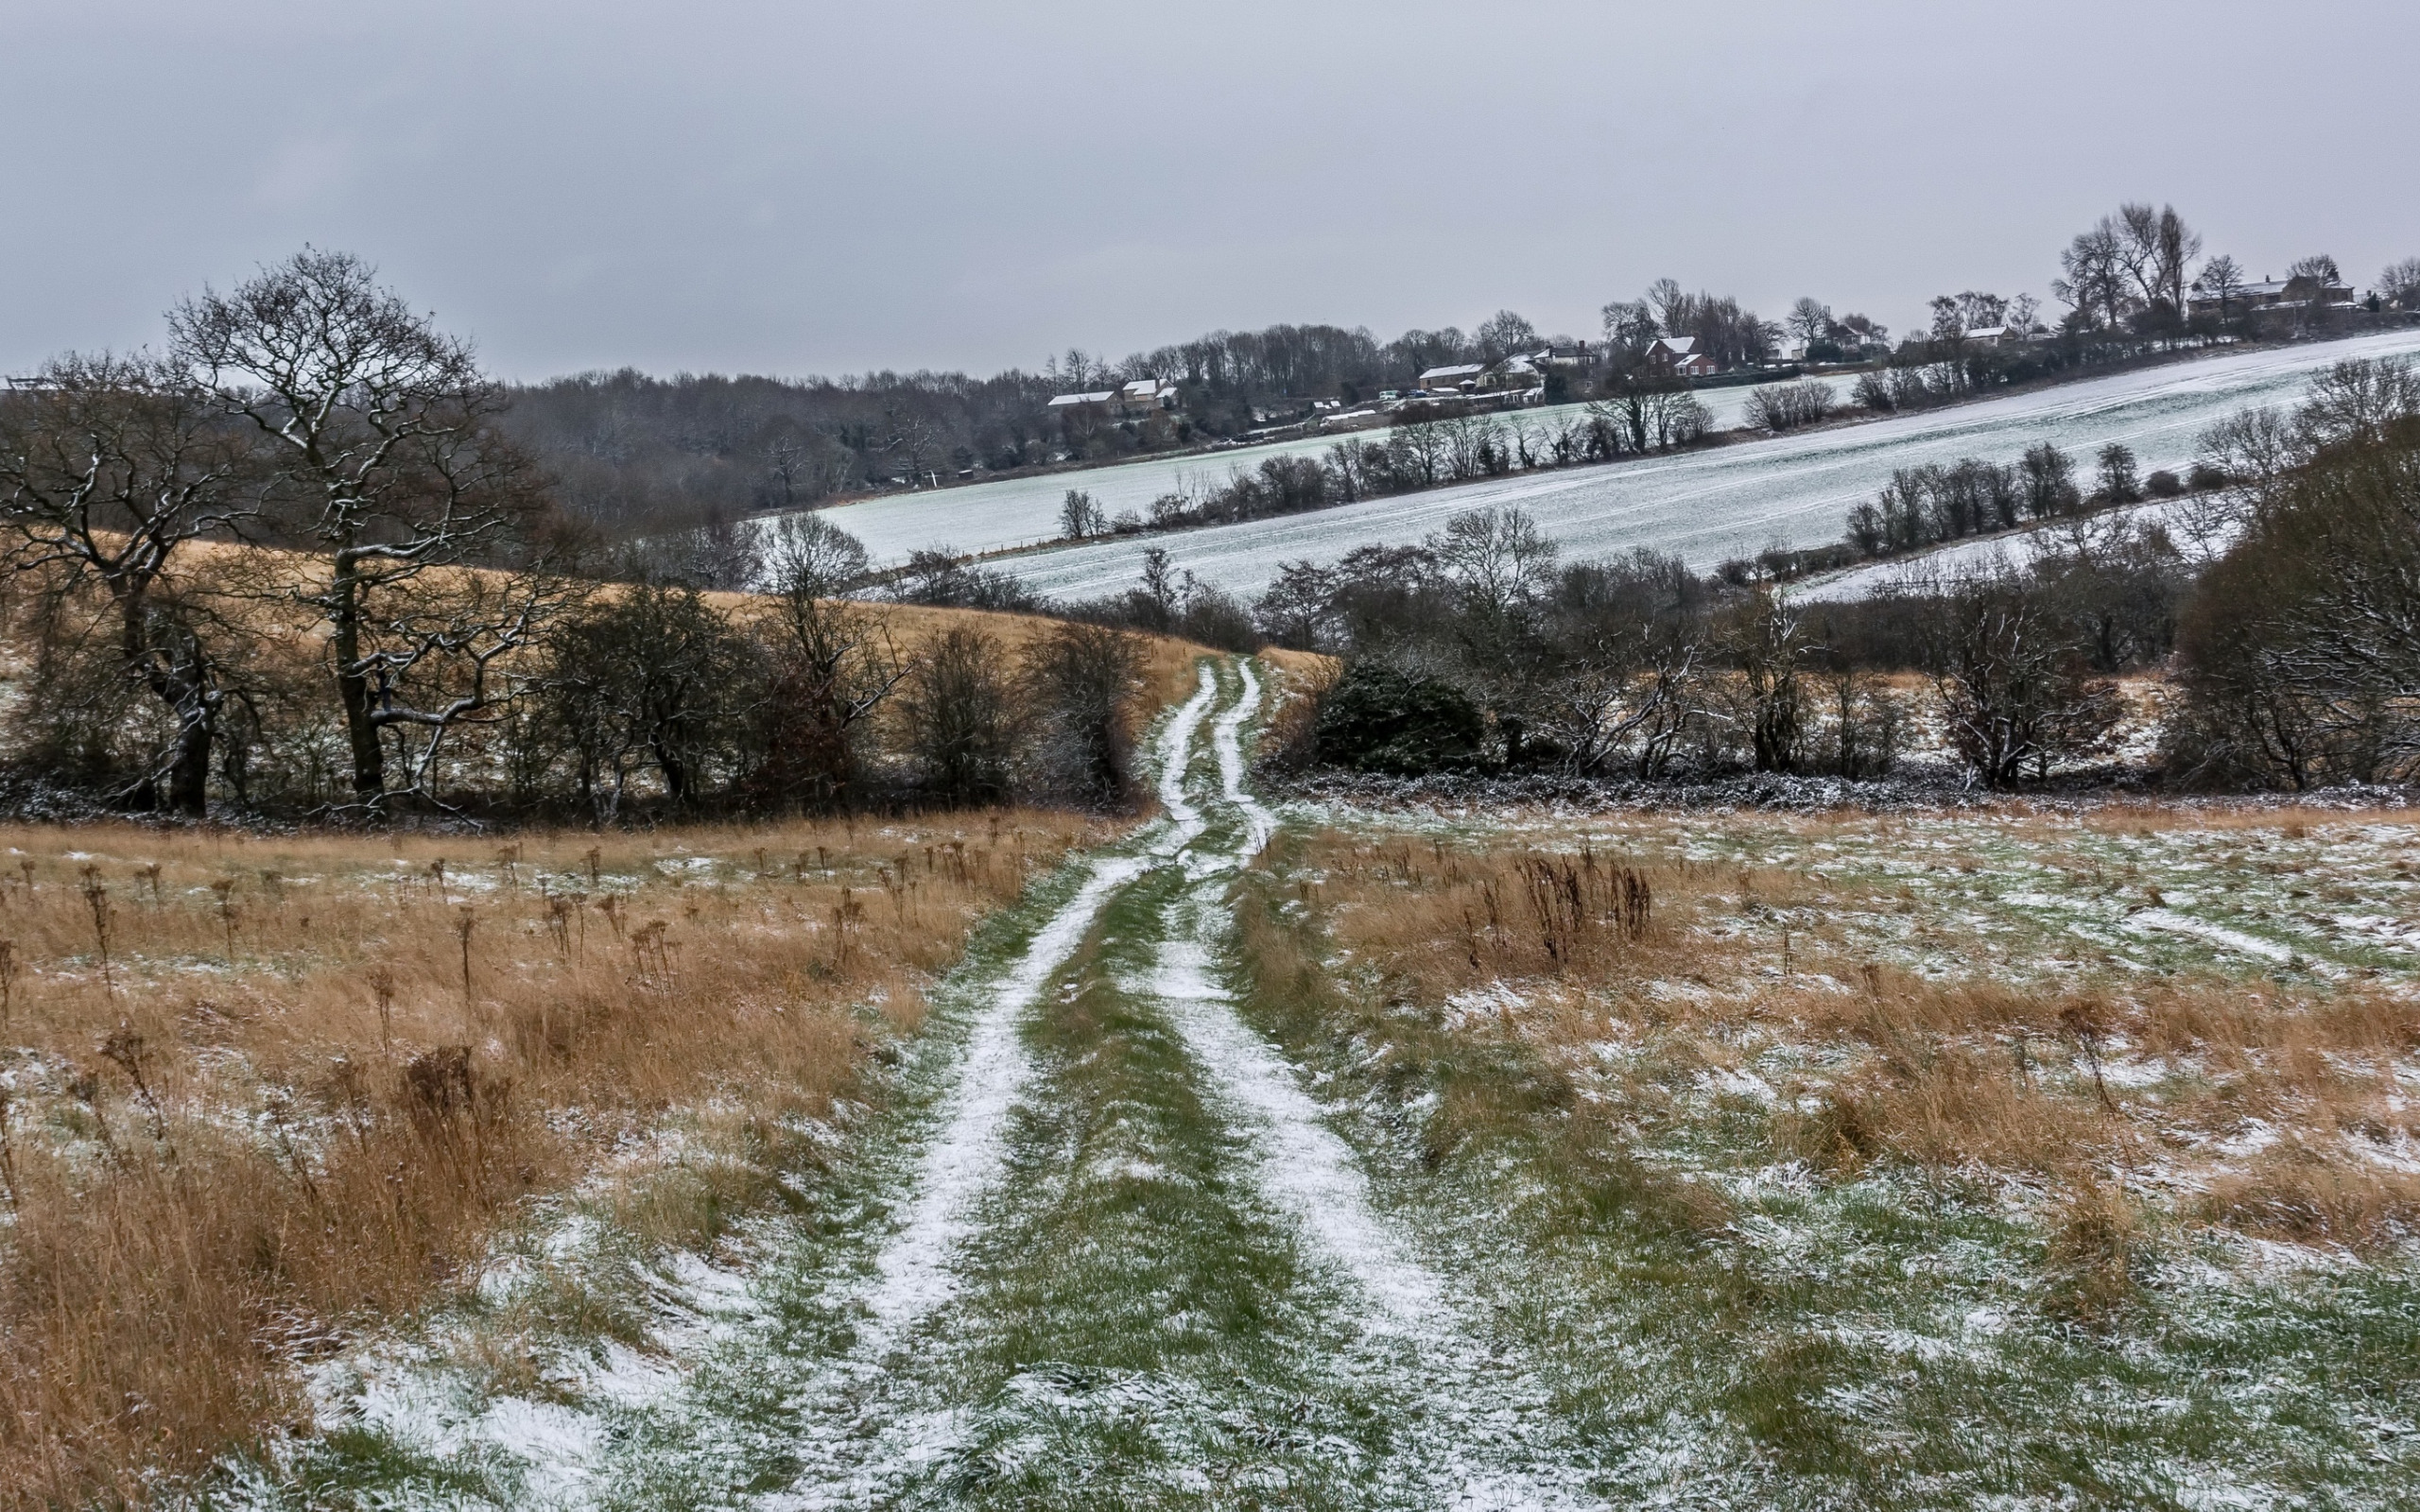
column 796, row 188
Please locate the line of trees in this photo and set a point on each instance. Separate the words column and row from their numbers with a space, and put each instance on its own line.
column 2294, row 650
column 291, row 564
column 636, row 455
column 1481, row 650
column 1407, row 458
column 1934, row 503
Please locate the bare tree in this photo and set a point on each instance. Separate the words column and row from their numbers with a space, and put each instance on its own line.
column 1670, row 304
column 2156, row 250
column 1474, row 446
column 2318, row 271
column 1787, row 406
column 1080, row 680
column 1765, row 644
column 2399, row 286
column 2300, row 650
column 110, row 468
column 2048, row 482
column 428, row 558
column 2094, row 276
column 656, row 676
column 961, row 715
column 809, row 554
column 2221, row 279
column 1078, row 516
column 2118, row 483
column 1626, row 689
column 1809, row 320
column 2359, row 400
column 914, row 443
column 1421, row 449
column 1496, row 557
column 1503, row 333
column 2013, row 689
column 1630, row 325
column 834, row 663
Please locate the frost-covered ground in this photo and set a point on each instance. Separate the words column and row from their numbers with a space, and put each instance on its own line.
column 1101, row 1251
column 1731, row 501
column 1176, row 1206
column 1025, row 512
column 1889, row 1178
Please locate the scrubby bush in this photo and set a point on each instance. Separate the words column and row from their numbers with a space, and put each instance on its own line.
column 959, row 715
column 1382, row 718
column 1787, row 406
column 1080, row 680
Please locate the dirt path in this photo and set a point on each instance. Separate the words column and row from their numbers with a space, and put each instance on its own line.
column 1103, row 1251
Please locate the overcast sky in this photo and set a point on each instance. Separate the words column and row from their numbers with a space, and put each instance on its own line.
column 799, row 188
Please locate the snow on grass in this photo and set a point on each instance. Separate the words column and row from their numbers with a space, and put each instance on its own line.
column 2201, row 525
column 1478, row 1415
column 1176, row 759
column 1315, row 1179
column 913, row 1271
column 1227, row 736
column 1010, row 513
column 2234, row 939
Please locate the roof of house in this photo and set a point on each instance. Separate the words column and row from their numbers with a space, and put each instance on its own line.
column 1103, row 397
column 1464, row 369
column 1987, row 333
column 1678, row 345
column 1146, row 388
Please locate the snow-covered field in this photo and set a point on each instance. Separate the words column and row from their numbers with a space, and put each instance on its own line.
column 2201, row 527
column 1025, row 512
column 1706, row 506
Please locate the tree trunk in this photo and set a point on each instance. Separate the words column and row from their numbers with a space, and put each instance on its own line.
column 189, row 776
column 150, row 632
column 354, row 692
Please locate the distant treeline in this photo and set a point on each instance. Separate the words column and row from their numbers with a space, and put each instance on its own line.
column 633, row 454
column 1421, row 454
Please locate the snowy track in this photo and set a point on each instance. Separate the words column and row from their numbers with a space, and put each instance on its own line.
column 1108, row 1251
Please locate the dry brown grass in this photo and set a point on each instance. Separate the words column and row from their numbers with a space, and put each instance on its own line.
column 1967, row 1072
column 1167, row 662
column 279, row 1114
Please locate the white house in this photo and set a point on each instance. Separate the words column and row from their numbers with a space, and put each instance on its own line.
column 1146, row 394
column 1461, row 376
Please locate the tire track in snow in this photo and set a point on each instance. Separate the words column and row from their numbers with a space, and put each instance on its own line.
column 915, row 1273
column 1176, row 759
column 912, row 1272
column 1309, row 1173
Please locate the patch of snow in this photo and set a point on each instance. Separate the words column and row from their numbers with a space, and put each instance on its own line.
column 2234, row 940
column 1743, row 1084
column 1482, row 1003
